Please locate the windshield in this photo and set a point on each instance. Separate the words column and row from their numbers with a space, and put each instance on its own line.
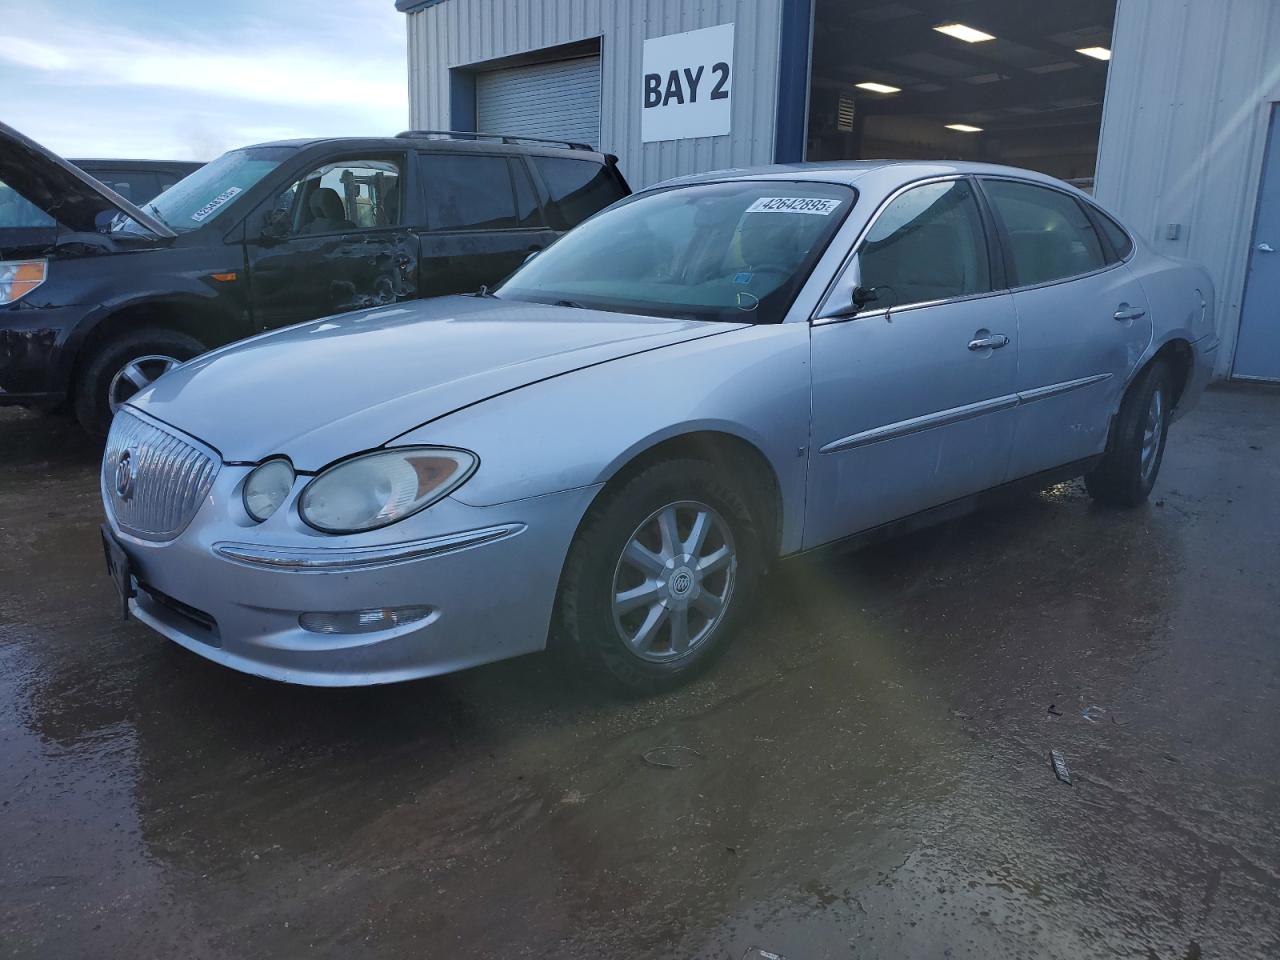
column 17, row 211
column 735, row 252
column 196, row 200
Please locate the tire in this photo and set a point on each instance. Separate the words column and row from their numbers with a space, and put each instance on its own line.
column 1131, row 464
column 594, row 631
column 156, row 348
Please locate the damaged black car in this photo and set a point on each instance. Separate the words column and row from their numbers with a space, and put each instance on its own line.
column 99, row 296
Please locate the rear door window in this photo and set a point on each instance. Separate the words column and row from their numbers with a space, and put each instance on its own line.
column 577, row 188
column 1050, row 236
column 470, row 192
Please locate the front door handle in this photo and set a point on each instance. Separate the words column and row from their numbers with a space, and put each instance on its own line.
column 994, row 342
column 1127, row 312
column 1266, row 248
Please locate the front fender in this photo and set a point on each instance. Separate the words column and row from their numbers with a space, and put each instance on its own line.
column 581, row 428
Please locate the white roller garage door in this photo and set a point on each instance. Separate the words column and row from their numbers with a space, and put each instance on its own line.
column 560, row 100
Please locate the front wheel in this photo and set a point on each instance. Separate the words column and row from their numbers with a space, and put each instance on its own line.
column 1128, row 470
column 124, row 366
column 658, row 577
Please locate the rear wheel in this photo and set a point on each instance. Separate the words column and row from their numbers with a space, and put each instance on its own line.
column 124, row 366
column 1129, row 469
column 658, row 576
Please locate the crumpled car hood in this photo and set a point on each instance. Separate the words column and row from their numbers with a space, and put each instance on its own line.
column 322, row 390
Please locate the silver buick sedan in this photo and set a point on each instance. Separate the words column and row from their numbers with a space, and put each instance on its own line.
column 607, row 451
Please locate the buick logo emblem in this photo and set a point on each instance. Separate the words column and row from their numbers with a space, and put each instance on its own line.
column 681, row 583
column 125, row 475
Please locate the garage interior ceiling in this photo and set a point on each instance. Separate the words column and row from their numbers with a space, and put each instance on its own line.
column 1036, row 100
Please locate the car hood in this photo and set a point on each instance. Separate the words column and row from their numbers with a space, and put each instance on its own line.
column 329, row 388
column 65, row 192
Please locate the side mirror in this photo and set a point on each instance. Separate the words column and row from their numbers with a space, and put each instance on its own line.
column 275, row 225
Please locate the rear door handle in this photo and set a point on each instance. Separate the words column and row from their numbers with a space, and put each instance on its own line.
column 1130, row 313
column 993, row 342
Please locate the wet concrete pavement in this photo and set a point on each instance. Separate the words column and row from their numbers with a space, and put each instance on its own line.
column 871, row 775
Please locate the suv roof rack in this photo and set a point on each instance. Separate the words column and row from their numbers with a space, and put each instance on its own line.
column 502, row 137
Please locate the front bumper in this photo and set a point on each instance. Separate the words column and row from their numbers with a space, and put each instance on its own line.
column 34, row 358
column 233, row 592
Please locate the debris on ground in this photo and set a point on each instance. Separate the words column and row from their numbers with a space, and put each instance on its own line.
column 1054, row 711
column 1093, row 713
column 756, row 953
column 1060, row 769
column 671, row 757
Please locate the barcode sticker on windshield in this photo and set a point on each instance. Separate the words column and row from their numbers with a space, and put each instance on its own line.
column 818, row 206
column 215, row 203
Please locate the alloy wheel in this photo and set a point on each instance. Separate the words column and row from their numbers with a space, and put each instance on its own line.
column 1152, row 435
column 674, row 581
column 136, row 375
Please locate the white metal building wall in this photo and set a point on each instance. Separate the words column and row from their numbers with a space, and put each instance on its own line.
column 559, row 100
column 1189, row 96
column 459, row 33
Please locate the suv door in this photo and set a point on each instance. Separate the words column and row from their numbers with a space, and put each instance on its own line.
column 331, row 240
column 913, row 397
column 1082, row 323
column 482, row 220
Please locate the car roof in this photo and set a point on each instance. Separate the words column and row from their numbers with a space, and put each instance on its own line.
column 136, row 164
column 443, row 141
column 848, row 172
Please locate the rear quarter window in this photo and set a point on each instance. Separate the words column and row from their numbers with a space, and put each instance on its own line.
column 576, row 188
column 1120, row 241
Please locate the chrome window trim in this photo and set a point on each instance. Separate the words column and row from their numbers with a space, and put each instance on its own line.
column 818, row 317
column 339, row 560
column 1075, row 276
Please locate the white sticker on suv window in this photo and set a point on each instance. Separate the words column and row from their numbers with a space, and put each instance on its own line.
column 812, row 205
column 215, row 203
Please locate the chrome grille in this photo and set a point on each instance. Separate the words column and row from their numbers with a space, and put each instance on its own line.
column 153, row 479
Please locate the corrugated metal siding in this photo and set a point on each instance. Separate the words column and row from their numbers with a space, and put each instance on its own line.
column 1189, row 95
column 466, row 33
column 560, row 100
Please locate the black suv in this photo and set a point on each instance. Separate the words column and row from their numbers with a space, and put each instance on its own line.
column 98, row 297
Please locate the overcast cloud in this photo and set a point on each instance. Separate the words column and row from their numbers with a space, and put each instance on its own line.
column 187, row 80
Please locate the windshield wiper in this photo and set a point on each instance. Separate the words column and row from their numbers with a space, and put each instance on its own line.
column 485, row 293
column 570, row 303
column 158, row 215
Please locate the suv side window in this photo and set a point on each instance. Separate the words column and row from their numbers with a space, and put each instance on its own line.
column 1050, row 236
column 928, row 244
column 475, row 192
column 578, row 188
column 360, row 194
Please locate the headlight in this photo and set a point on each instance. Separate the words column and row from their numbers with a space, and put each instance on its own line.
column 267, row 487
column 379, row 488
column 20, row 277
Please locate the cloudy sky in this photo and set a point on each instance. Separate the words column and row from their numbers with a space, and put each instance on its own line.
column 188, row 79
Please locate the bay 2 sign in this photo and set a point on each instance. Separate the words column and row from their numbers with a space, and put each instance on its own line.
column 688, row 82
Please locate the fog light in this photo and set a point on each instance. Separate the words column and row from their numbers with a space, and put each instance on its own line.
column 363, row 621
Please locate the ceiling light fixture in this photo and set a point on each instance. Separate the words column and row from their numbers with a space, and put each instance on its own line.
column 962, row 32
column 878, row 87
column 1098, row 53
column 964, row 128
